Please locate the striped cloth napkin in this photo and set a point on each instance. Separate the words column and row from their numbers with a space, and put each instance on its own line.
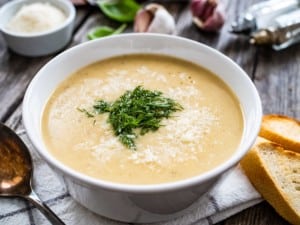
column 231, row 195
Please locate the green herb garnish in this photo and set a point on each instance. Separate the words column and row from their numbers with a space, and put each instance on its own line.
column 87, row 113
column 103, row 31
column 120, row 10
column 138, row 109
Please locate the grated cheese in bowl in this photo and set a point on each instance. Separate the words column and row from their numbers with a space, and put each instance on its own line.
column 35, row 18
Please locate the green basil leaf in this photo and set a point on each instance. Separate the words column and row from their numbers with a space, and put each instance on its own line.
column 119, row 10
column 120, row 29
column 102, row 31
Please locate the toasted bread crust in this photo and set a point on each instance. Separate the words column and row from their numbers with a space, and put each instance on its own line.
column 259, row 173
column 281, row 135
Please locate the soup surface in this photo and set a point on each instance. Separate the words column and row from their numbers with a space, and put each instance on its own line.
column 196, row 139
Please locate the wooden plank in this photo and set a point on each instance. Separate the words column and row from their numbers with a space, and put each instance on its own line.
column 262, row 214
column 277, row 78
column 17, row 71
column 97, row 18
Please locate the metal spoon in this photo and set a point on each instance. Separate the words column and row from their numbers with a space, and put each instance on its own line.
column 16, row 172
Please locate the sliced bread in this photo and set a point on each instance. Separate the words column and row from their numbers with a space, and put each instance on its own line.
column 275, row 173
column 282, row 130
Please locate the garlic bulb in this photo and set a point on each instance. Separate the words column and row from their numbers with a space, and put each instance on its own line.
column 207, row 14
column 154, row 18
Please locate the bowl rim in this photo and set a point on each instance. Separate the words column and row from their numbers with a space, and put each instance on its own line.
column 147, row 188
column 71, row 12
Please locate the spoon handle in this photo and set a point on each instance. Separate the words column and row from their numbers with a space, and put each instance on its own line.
column 36, row 201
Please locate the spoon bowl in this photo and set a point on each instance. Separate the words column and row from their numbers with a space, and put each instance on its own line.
column 16, row 172
column 15, row 166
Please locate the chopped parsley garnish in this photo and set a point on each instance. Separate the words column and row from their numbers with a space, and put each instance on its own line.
column 138, row 109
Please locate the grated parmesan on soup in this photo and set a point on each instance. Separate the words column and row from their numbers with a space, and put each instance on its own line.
column 196, row 139
column 35, row 18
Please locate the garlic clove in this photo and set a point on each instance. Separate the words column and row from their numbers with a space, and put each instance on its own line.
column 209, row 8
column 207, row 14
column 154, row 18
column 142, row 20
column 162, row 22
column 203, row 8
column 197, row 7
column 214, row 22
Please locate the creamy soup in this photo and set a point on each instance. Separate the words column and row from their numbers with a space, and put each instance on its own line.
column 201, row 136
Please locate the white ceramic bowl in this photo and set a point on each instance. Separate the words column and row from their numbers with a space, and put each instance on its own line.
column 139, row 203
column 42, row 43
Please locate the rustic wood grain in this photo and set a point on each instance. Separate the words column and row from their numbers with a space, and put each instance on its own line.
column 17, row 71
column 276, row 75
column 235, row 47
column 277, row 78
column 96, row 18
column 261, row 214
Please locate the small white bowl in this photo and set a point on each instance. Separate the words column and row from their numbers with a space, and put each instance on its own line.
column 139, row 203
column 42, row 43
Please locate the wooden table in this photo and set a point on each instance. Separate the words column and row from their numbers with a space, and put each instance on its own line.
column 275, row 74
